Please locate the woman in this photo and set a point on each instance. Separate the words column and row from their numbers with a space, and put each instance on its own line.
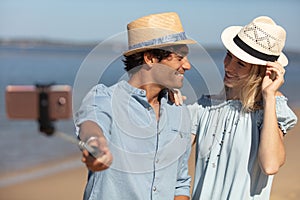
column 239, row 142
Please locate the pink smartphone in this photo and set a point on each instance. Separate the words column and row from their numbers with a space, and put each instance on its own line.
column 22, row 102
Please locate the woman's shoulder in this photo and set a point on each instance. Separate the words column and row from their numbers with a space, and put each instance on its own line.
column 209, row 98
column 216, row 101
column 286, row 117
column 278, row 93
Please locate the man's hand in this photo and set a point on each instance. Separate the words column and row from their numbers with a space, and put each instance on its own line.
column 101, row 158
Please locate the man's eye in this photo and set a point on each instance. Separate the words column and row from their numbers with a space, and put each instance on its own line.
column 180, row 57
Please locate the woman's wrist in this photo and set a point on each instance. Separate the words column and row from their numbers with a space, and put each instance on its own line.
column 269, row 99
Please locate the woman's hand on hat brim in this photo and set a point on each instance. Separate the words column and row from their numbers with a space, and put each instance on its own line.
column 274, row 78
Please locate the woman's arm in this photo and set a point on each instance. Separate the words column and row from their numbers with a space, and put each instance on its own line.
column 271, row 148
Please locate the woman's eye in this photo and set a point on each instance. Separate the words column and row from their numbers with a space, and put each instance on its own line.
column 241, row 64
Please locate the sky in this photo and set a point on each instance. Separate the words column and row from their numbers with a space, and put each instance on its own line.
column 97, row 20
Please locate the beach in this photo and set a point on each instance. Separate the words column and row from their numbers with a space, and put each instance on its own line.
column 65, row 179
column 62, row 179
column 286, row 185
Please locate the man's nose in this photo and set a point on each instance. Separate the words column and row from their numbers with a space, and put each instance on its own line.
column 186, row 64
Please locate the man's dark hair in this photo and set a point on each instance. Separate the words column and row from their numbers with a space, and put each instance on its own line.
column 137, row 59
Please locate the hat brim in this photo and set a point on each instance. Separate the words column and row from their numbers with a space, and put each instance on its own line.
column 137, row 50
column 227, row 38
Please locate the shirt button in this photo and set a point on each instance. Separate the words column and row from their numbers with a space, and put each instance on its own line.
column 157, row 160
column 180, row 134
column 154, row 188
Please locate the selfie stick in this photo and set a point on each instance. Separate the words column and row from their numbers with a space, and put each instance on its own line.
column 82, row 145
column 46, row 124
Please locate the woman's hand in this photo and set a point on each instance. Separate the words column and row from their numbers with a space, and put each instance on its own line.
column 273, row 79
column 176, row 97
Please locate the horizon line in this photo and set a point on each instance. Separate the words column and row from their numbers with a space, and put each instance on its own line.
column 81, row 43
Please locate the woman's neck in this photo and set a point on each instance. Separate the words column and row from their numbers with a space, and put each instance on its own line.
column 232, row 93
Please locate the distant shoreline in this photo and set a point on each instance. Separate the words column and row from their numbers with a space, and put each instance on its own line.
column 23, row 43
column 39, row 42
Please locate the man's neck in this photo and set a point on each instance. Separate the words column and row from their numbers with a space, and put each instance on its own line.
column 143, row 81
column 140, row 81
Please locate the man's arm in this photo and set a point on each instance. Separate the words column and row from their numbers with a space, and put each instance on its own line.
column 181, row 198
column 92, row 134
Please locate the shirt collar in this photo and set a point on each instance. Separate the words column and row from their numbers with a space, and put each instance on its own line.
column 133, row 91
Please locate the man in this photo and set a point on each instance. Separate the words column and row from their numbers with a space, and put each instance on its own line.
column 142, row 138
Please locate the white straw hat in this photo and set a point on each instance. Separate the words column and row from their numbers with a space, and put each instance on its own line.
column 155, row 31
column 256, row 43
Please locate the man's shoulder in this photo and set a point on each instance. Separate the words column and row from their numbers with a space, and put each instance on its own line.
column 104, row 90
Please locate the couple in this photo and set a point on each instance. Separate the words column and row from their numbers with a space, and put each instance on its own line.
column 144, row 139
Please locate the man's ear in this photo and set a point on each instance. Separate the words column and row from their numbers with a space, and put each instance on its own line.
column 149, row 59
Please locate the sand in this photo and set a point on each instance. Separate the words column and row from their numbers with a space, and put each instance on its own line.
column 55, row 180
column 64, row 180
column 286, row 185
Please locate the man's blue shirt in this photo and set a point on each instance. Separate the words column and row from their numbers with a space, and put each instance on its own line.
column 150, row 156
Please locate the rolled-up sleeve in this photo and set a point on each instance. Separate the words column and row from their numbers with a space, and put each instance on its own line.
column 194, row 114
column 183, row 177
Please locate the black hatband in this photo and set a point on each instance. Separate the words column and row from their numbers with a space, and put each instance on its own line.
column 252, row 51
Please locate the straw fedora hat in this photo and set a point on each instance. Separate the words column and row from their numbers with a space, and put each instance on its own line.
column 257, row 43
column 155, row 31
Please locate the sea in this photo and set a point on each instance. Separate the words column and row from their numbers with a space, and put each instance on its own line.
column 22, row 146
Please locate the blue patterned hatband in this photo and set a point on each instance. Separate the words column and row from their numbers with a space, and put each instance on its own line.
column 161, row 40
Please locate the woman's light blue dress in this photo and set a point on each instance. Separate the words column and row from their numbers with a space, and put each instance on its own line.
column 227, row 145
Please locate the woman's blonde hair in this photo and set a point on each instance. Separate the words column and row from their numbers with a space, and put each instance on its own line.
column 250, row 93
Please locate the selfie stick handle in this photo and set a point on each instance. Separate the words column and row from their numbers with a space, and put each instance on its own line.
column 46, row 125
